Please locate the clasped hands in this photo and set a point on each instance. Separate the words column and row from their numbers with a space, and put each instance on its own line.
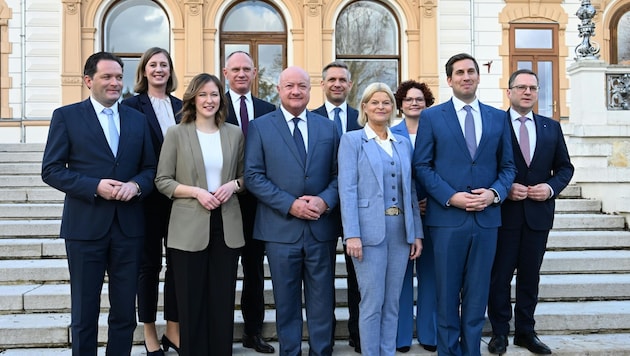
column 308, row 207
column 111, row 189
column 538, row 192
column 212, row 201
column 477, row 200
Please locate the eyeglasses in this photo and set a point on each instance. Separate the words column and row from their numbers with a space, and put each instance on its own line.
column 413, row 100
column 523, row 88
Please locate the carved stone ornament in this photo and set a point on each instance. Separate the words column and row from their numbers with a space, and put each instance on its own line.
column 428, row 7
column 586, row 28
column 618, row 90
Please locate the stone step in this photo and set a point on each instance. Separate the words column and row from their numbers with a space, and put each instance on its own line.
column 588, row 222
column 555, row 262
column 40, row 298
column 32, row 195
column 52, row 329
column 29, row 228
column 25, row 248
column 564, row 206
column 571, row 191
column 22, row 147
column 22, row 156
column 31, row 211
column 21, row 168
column 586, row 240
column 21, row 181
column 561, row 345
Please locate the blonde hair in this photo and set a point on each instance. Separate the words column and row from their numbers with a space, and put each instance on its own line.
column 371, row 89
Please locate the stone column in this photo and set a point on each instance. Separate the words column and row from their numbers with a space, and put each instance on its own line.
column 72, row 54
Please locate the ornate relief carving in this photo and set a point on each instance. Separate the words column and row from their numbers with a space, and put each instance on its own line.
column 71, row 6
column 428, row 8
column 314, row 7
column 618, row 91
column 194, row 6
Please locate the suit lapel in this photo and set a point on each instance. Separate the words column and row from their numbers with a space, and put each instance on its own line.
column 313, row 136
column 487, row 126
column 196, row 155
column 449, row 115
column 282, row 127
column 147, row 109
column 374, row 157
column 94, row 126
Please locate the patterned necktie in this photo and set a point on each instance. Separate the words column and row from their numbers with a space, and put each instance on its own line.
column 244, row 116
column 299, row 141
column 337, row 110
column 113, row 133
column 523, row 140
column 469, row 131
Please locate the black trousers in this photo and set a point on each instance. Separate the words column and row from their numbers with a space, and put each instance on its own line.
column 156, row 214
column 205, row 284
column 520, row 249
column 252, row 256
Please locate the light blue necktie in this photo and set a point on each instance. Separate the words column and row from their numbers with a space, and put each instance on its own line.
column 113, row 133
column 469, row 131
column 337, row 110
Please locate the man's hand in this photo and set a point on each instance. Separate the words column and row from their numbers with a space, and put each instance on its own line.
column 423, row 206
column 125, row 191
column 354, row 248
column 539, row 192
column 477, row 200
column 107, row 188
column 517, row 192
column 303, row 209
column 315, row 203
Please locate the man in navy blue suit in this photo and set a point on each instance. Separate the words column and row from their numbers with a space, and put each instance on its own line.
column 337, row 82
column 239, row 72
column 291, row 167
column 544, row 170
column 100, row 154
column 463, row 158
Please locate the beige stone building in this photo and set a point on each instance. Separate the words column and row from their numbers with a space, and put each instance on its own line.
column 44, row 44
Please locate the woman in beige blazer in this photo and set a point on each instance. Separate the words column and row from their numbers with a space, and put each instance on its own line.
column 201, row 168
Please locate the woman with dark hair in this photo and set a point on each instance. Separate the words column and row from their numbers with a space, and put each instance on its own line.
column 155, row 81
column 201, row 168
column 413, row 97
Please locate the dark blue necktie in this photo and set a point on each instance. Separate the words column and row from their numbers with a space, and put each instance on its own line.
column 469, row 134
column 299, row 140
column 337, row 110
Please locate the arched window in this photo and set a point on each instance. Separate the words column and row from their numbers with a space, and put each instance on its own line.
column 620, row 37
column 367, row 38
column 257, row 28
column 130, row 28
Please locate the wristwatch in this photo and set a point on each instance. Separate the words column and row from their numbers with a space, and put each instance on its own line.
column 496, row 200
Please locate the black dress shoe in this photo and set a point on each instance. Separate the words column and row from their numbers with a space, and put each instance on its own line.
column 498, row 344
column 403, row 349
column 431, row 348
column 257, row 343
column 356, row 344
column 532, row 343
column 158, row 352
column 168, row 344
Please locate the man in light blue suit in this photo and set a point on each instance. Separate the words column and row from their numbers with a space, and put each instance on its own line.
column 463, row 158
column 291, row 167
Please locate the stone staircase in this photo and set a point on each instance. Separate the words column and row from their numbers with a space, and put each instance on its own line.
column 585, row 286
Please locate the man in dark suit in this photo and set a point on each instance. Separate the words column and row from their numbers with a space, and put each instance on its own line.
column 291, row 167
column 239, row 72
column 544, row 170
column 337, row 82
column 100, row 154
column 463, row 158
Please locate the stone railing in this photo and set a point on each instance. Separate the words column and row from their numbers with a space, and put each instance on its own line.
column 618, row 90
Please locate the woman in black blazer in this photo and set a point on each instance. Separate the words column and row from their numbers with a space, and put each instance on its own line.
column 155, row 80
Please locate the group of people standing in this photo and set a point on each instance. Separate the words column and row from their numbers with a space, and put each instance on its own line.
column 426, row 197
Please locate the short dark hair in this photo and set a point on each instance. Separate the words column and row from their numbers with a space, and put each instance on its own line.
column 189, row 111
column 404, row 87
column 336, row 64
column 519, row 72
column 142, row 83
column 92, row 62
column 457, row 58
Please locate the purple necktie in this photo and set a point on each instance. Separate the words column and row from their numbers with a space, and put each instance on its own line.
column 523, row 140
column 469, row 131
column 244, row 116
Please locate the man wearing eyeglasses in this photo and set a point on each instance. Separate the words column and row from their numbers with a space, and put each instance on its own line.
column 543, row 170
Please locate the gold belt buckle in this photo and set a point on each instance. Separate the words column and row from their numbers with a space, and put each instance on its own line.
column 392, row 211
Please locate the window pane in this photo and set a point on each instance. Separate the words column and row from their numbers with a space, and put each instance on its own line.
column 366, row 28
column 623, row 39
column 253, row 16
column 533, row 38
column 524, row 65
column 365, row 72
column 133, row 26
column 545, row 95
column 129, row 76
column 269, row 68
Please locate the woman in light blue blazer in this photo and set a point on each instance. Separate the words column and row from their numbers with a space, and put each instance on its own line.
column 380, row 215
column 413, row 97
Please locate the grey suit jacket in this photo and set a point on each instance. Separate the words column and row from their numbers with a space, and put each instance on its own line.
column 181, row 162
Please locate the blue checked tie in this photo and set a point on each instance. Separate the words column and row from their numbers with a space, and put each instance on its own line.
column 469, row 134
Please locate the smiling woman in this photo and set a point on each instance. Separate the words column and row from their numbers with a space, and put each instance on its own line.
column 127, row 37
